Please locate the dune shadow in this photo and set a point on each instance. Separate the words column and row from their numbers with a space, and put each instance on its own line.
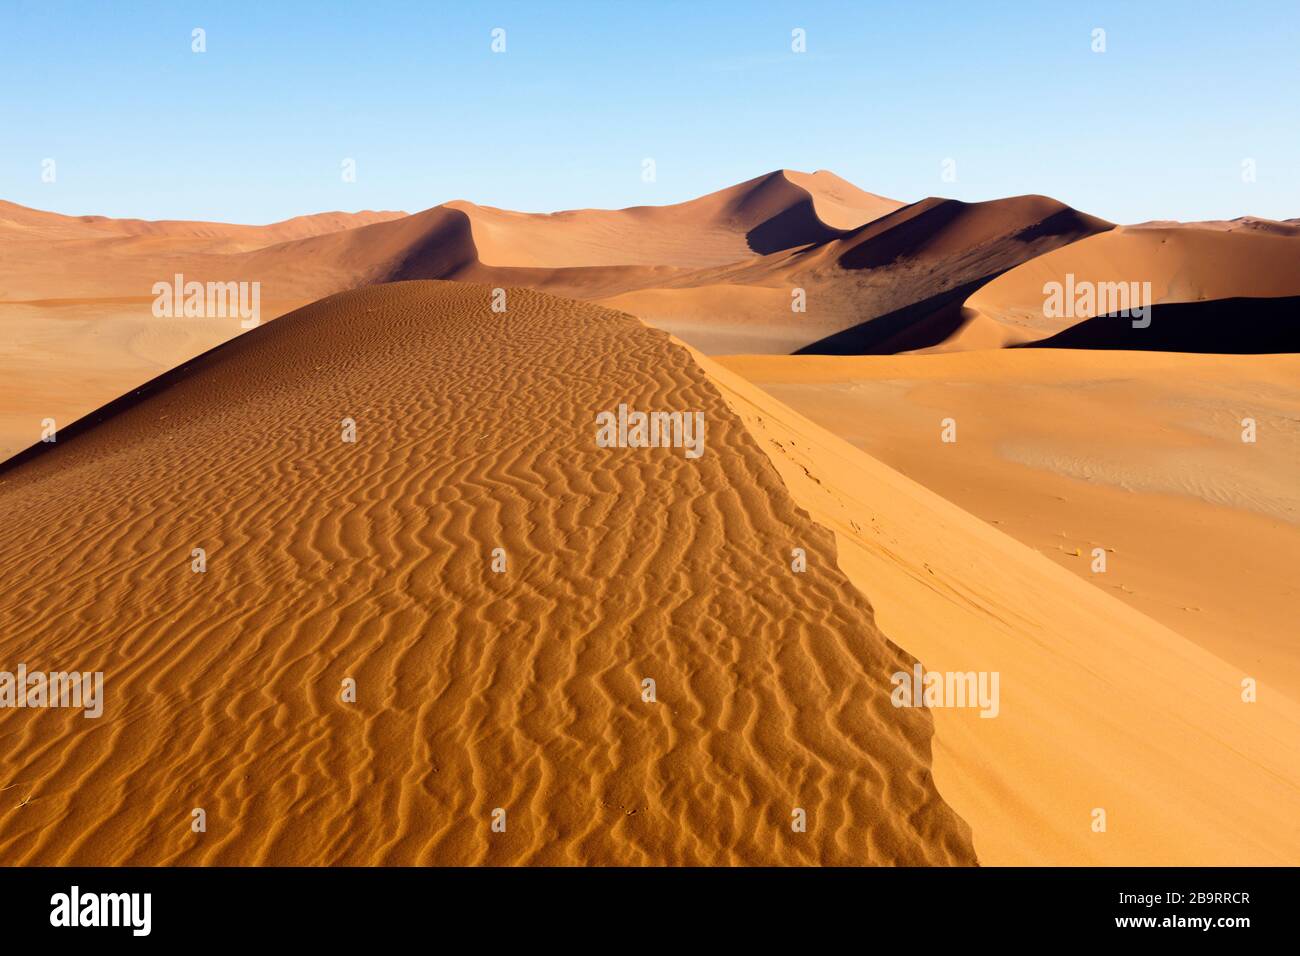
column 795, row 226
column 918, row 325
column 894, row 236
column 1237, row 326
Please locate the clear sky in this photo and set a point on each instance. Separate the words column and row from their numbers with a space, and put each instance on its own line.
column 256, row 128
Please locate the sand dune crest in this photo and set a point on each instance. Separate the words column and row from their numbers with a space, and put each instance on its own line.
column 476, row 691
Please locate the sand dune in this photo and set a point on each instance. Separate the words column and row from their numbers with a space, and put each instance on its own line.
column 926, row 258
column 721, row 271
column 20, row 222
column 1066, row 451
column 762, row 215
column 1284, row 227
column 839, row 203
column 1103, row 708
column 941, row 230
column 778, row 211
column 329, row 560
column 894, row 284
column 1183, row 263
column 70, row 281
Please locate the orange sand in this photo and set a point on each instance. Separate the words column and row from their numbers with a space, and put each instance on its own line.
column 475, row 691
column 1103, row 707
column 522, row 691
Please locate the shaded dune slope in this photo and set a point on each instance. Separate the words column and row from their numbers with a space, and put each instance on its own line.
column 941, row 229
column 930, row 256
column 894, row 284
column 1182, row 263
column 1238, row 326
column 593, row 250
column 475, row 691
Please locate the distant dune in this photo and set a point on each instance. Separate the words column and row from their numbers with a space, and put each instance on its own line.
column 475, row 691
column 589, row 250
column 23, row 223
column 75, row 292
column 1285, row 227
column 1191, row 263
column 925, row 258
column 893, row 284
column 811, row 263
column 944, row 230
column 778, row 211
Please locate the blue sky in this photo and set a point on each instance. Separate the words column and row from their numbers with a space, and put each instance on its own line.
column 256, row 128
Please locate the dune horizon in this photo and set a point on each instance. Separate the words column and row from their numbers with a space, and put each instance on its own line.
column 785, row 262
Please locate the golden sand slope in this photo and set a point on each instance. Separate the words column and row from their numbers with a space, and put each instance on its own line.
column 62, row 358
column 1137, row 453
column 1102, row 707
column 1183, row 263
column 475, row 691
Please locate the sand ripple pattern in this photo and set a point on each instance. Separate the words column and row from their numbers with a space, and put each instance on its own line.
column 475, row 690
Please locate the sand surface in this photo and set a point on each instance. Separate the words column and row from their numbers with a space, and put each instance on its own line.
column 1104, row 708
column 1182, row 263
column 1067, row 451
column 329, row 560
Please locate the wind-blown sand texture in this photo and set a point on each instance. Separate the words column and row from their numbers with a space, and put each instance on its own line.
column 328, row 560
